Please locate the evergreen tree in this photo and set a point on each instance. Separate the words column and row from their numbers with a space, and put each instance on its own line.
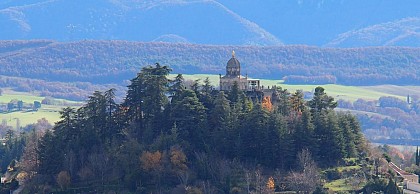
column 281, row 98
column 111, row 128
column 146, row 100
column 234, row 93
column 189, row 115
column 304, row 132
column 321, row 101
column 134, row 99
column 206, row 94
column 219, row 123
column 348, row 136
column 392, row 188
column 329, row 138
column 96, row 113
column 297, row 102
column 254, row 132
column 176, row 88
column 163, row 120
column 50, row 155
column 195, row 86
column 275, row 149
column 359, row 139
column 65, row 129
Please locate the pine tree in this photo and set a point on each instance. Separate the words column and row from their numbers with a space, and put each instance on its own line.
column 304, row 132
column 111, row 127
column 189, row 115
column 392, row 188
column 234, row 93
column 176, row 88
column 50, row 155
column 65, row 129
column 206, row 96
column 280, row 98
column 219, row 122
column 146, row 100
column 329, row 138
column 359, row 139
column 297, row 102
column 273, row 148
column 321, row 101
column 348, row 136
column 254, row 129
column 133, row 102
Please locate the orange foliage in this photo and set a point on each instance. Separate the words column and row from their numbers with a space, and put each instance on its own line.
column 266, row 103
column 270, row 184
column 178, row 160
column 151, row 161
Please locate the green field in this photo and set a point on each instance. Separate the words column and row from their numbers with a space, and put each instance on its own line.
column 25, row 117
column 340, row 185
column 350, row 93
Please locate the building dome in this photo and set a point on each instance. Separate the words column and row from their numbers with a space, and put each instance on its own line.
column 233, row 67
column 233, row 63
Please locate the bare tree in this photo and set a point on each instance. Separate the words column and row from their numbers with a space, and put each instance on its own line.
column 30, row 158
column 63, row 179
column 248, row 180
column 259, row 182
column 357, row 180
column 307, row 178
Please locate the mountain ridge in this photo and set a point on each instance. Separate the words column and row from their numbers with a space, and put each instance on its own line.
column 388, row 34
column 215, row 22
column 112, row 20
column 112, row 62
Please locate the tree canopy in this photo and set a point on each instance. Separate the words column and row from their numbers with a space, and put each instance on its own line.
column 165, row 135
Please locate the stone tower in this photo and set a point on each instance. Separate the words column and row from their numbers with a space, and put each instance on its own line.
column 233, row 74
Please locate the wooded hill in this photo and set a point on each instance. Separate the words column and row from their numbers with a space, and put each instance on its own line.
column 101, row 62
column 168, row 138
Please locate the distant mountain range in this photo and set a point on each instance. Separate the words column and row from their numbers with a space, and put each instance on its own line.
column 112, row 62
column 73, row 70
column 330, row 23
column 404, row 32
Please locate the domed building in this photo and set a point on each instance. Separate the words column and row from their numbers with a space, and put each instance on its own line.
column 233, row 74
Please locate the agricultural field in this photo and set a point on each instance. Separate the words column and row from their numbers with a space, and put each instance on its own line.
column 350, row 93
column 51, row 112
column 28, row 115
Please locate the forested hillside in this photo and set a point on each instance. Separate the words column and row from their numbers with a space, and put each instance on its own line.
column 105, row 62
column 168, row 138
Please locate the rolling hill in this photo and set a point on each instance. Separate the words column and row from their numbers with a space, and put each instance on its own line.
column 112, row 62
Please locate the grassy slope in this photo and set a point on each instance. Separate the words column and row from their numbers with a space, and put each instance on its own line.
column 339, row 185
column 49, row 112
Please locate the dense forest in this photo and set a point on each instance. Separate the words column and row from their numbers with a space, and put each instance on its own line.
column 112, row 62
column 78, row 91
column 169, row 138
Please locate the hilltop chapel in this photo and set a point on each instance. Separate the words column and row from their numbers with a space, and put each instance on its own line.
column 233, row 74
column 251, row 87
